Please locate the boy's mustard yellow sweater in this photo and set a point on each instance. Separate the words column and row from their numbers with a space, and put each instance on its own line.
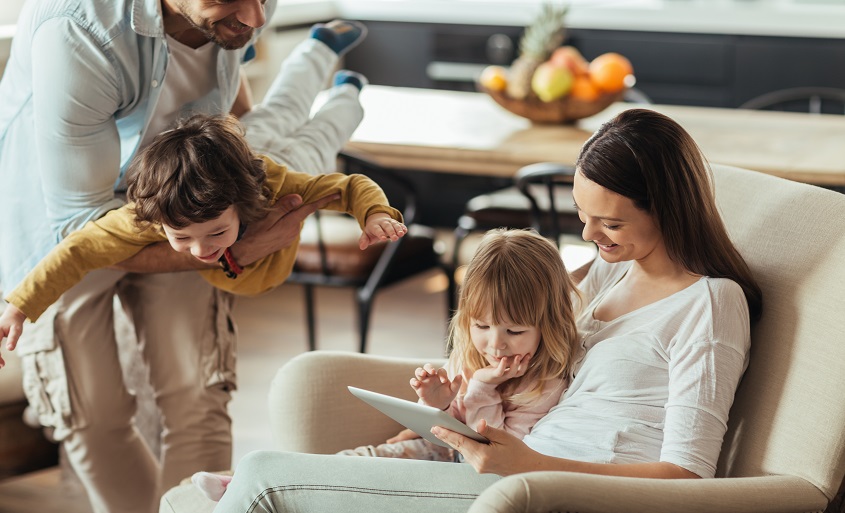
column 115, row 237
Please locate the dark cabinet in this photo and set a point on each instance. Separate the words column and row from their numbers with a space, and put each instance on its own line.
column 680, row 69
column 765, row 64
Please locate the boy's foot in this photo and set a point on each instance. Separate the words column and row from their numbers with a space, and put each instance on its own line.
column 345, row 76
column 340, row 35
column 212, row 485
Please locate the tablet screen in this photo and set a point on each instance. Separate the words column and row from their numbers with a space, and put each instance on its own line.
column 419, row 418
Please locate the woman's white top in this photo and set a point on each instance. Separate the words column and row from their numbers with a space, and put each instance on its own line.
column 655, row 384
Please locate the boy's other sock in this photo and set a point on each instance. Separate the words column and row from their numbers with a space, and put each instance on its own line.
column 340, row 35
column 345, row 76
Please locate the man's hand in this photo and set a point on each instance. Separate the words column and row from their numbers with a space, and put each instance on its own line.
column 504, row 455
column 381, row 228
column 508, row 368
column 11, row 327
column 278, row 229
column 434, row 387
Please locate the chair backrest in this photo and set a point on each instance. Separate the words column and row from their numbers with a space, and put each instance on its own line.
column 548, row 188
column 813, row 100
column 789, row 414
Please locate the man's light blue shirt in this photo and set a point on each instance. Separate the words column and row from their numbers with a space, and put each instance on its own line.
column 81, row 84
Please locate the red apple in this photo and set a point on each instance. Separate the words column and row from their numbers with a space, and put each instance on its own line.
column 570, row 57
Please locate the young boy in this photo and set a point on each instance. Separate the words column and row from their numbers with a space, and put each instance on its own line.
column 200, row 184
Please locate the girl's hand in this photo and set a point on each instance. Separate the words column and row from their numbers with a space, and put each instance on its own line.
column 508, row 368
column 405, row 434
column 434, row 387
column 381, row 228
column 11, row 326
column 504, row 455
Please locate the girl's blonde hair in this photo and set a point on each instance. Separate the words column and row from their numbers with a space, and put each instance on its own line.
column 517, row 276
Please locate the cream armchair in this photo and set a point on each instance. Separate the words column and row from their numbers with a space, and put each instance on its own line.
column 785, row 446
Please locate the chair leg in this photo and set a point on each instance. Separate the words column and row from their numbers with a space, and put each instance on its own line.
column 451, row 291
column 365, row 302
column 465, row 226
column 310, row 317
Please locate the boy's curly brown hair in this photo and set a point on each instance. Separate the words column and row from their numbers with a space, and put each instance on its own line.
column 194, row 172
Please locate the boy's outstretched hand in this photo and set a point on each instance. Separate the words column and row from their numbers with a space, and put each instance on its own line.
column 11, row 327
column 434, row 387
column 381, row 228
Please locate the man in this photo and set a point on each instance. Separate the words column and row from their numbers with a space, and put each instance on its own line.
column 88, row 84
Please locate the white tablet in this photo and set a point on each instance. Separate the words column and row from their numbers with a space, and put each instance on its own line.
column 419, row 418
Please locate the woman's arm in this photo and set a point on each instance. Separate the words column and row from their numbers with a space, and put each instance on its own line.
column 506, row 455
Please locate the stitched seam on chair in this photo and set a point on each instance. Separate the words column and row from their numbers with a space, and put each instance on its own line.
column 366, row 491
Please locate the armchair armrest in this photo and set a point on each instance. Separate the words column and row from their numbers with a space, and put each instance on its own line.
column 311, row 409
column 542, row 492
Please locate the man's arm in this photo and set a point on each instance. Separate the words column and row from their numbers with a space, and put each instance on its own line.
column 76, row 94
column 276, row 231
column 160, row 258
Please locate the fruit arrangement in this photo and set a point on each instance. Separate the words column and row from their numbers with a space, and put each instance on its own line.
column 550, row 83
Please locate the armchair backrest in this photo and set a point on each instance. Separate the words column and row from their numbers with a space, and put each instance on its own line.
column 788, row 417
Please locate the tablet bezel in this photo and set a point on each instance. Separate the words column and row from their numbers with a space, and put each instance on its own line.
column 417, row 417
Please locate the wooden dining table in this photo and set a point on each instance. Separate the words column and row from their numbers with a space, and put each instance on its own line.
column 467, row 133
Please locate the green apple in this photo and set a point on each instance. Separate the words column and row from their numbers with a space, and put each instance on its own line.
column 550, row 82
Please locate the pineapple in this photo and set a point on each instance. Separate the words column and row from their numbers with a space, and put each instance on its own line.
column 540, row 39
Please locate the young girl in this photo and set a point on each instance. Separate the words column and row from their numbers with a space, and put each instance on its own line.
column 198, row 186
column 511, row 342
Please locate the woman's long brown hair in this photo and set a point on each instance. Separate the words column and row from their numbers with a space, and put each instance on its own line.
column 649, row 158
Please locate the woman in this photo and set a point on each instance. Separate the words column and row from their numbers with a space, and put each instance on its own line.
column 665, row 333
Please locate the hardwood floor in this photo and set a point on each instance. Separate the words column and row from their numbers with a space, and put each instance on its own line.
column 409, row 319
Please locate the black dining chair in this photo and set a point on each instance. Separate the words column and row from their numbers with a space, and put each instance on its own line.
column 324, row 260
column 812, row 100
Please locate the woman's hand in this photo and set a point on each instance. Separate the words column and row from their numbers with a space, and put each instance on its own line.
column 434, row 387
column 277, row 230
column 381, row 227
column 508, row 368
column 504, row 455
column 11, row 326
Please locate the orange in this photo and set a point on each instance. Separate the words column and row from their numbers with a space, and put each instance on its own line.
column 609, row 71
column 583, row 89
column 494, row 78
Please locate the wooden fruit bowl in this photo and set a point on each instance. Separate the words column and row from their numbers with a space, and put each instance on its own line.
column 563, row 110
